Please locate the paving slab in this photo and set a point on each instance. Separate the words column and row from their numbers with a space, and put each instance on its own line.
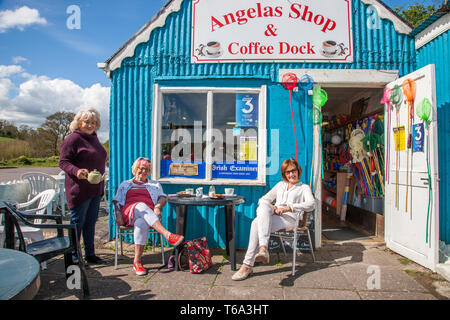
column 245, row 293
column 315, row 275
column 383, row 295
column 296, row 293
column 392, row 279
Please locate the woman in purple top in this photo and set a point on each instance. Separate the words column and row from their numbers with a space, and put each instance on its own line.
column 82, row 152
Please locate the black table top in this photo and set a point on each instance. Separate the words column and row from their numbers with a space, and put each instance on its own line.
column 18, row 272
column 206, row 201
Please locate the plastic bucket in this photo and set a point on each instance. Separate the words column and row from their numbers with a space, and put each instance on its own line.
column 373, row 204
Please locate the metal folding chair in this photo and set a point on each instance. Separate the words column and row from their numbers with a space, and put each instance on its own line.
column 122, row 231
column 292, row 235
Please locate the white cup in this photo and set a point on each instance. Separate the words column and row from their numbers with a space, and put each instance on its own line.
column 329, row 47
column 190, row 191
column 199, row 192
column 229, row 191
column 212, row 47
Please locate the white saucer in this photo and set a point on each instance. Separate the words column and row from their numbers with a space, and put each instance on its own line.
column 214, row 55
column 329, row 55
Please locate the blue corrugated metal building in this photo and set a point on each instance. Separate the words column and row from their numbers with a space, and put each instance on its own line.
column 160, row 56
column 433, row 46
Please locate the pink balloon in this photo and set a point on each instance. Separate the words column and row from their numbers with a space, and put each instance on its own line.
column 386, row 96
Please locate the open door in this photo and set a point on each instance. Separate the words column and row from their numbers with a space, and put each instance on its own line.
column 407, row 194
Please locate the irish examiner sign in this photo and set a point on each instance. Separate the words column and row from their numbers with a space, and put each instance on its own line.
column 271, row 30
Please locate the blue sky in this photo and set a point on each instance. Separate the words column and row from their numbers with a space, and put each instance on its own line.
column 46, row 67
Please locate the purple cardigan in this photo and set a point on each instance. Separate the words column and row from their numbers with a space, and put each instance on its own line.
column 81, row 151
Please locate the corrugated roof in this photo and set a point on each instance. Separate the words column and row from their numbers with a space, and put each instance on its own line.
column 434, row 17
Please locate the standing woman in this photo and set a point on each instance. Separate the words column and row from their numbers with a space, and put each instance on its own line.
column 82, row 152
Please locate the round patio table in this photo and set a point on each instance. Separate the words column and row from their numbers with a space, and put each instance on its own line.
column 228, row 202
column 19, row 275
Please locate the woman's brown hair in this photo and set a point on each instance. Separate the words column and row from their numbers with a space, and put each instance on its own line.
column 287, row 163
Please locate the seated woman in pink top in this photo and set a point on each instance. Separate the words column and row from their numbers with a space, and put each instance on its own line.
column 140, row 201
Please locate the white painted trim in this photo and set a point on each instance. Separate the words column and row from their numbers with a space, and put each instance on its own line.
column 384, row 13
column 262, row 135
column 143, row 35
column 433, row 31
column 156, row 131
column 355, row 78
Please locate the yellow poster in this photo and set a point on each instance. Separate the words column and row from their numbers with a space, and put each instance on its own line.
column 248, row 149
column 399, row 138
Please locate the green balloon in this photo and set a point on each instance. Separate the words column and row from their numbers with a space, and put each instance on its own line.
column 396, row 96
column 320, row 97
column 423, row 110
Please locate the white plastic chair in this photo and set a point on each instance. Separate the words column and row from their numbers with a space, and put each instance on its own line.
column 39, row 182
column 44, row 200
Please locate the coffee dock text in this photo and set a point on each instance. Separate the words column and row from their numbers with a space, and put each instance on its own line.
column 256, row 48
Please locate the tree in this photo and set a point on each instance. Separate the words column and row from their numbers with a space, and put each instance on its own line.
column 8, row 129
column 415, row 14
column 57, row 127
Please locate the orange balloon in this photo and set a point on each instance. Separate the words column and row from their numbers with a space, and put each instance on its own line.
column 409, row 89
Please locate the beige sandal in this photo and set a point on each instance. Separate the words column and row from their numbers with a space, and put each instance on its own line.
column 242, row 275
column 263, row 257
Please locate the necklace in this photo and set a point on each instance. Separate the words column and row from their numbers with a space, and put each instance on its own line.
column 138, row 182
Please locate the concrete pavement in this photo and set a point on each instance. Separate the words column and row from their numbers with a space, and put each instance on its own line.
column 342, row 271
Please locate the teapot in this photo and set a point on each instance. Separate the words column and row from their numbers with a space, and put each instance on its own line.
column 95, row 177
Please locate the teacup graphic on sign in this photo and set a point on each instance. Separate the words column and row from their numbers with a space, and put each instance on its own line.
column 331, row 48
column 212, row 49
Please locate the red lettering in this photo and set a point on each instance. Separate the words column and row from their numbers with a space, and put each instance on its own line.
column 251, row 12
column 279, row 11
column 285, row 46
column 306, row 12
column 215, row 22
column 297, row 12
column 329, row 25
column 230, row 47
column 319, row 19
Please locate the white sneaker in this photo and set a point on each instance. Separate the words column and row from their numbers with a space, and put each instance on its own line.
column 242, row 275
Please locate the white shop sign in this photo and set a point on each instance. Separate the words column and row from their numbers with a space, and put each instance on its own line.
column 271, row 30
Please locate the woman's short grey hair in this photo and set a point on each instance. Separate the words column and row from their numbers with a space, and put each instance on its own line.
column 85, row 115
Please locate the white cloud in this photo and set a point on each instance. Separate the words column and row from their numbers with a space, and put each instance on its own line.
column 39, row 96
column 19, row 59
column 5, row 87
column 20, row 18
column 7, row 71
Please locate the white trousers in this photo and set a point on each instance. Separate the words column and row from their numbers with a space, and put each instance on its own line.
column 143, row 219
column 264, row 223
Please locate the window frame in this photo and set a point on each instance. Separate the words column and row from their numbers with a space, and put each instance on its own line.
column 158, row 92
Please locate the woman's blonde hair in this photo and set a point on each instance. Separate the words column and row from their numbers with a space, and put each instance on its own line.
column 83, row 115
column 141, row 161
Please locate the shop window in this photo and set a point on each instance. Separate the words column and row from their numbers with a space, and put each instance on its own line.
column 209, row 135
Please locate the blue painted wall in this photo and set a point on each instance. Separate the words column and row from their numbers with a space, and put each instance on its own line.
column 437, row 52
column 165, row 60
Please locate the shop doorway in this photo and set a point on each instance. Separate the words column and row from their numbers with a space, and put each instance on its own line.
column 352, row 191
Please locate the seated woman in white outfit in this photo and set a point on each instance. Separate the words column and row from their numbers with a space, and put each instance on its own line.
column 141, row 200
column 291, row 197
